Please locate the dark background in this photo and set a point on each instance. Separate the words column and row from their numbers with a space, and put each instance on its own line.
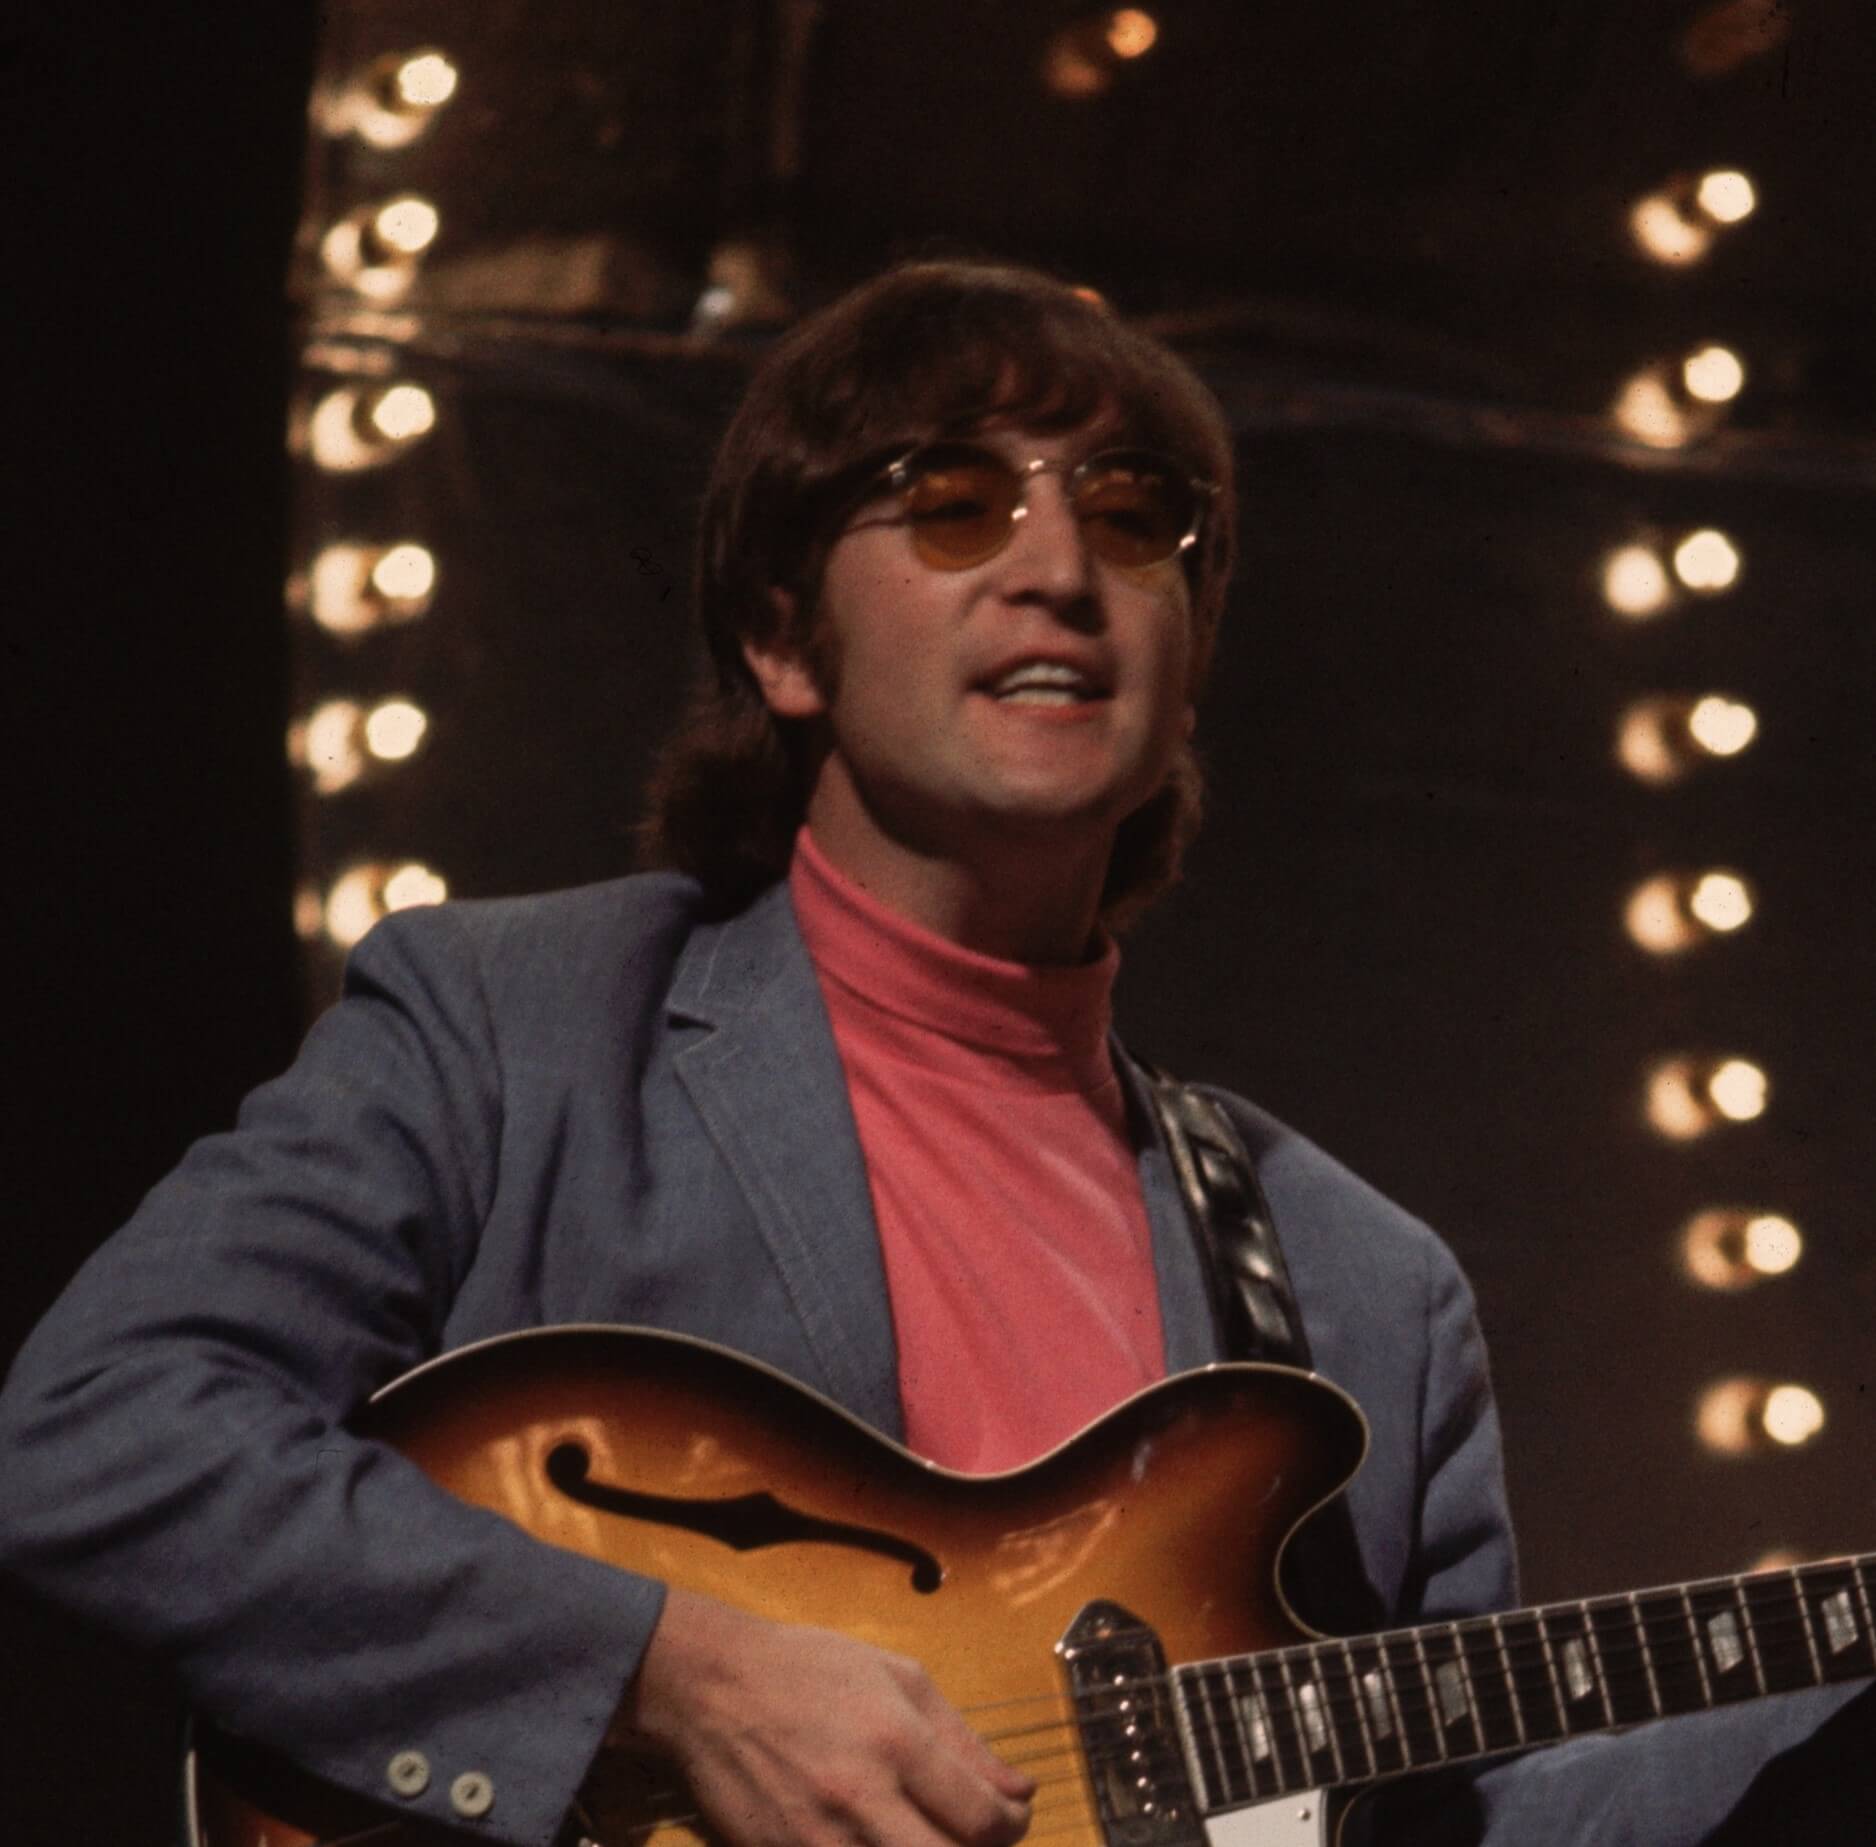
column 1392, row 239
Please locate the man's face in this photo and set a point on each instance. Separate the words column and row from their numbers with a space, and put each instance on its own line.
column 933, row 755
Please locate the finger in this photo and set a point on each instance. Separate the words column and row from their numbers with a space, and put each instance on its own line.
column 962, row 1801
column 945, row 1719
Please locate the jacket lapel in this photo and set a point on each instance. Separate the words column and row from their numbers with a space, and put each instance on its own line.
column 768, row 1084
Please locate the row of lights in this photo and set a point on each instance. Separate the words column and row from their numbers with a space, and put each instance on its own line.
column 352, row 590
column 1661, row 740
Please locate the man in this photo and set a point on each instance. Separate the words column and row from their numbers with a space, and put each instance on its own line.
column 835, row 1092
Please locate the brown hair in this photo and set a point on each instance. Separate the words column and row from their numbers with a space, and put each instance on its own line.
column 925, row 349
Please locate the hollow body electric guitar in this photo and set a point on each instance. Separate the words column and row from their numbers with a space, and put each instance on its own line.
column 1107, row 1617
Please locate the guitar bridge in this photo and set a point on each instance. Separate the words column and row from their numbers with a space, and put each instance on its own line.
column 1130, row 1748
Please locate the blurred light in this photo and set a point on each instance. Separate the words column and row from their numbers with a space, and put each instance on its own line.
column 1672, row 912
column 427, row 80
column 1726, row 196
column 1738, row 1089
column 375, row 250
column 392, row 102
column 1773, row 1244
column 1722, row 727
column 744, row 288
column 1635, row 582
column 394, row 730
column 360, row 897
column 356, row 427
column 1661, row 739
column 1649, row 412
column 353, row 589
column 309, row 913
column 1720, row 900
column 1664, row 233
column 1707, row 561
column 1780, row 1558
column 1724, row 37
column 1792, row 1415
column 1081, row 59
column 1131, row 33
column 1714, row 374
column 1687, row 1098
column 1740, row 1416
column 326, row 744
column 409, row 224
column 1724, row 1248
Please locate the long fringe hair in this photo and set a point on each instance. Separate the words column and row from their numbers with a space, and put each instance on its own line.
column 924, row 350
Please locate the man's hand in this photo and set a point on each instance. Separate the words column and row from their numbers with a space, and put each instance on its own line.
column 797, row 1737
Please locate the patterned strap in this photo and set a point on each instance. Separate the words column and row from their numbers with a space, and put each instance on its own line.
column 1232, row 1224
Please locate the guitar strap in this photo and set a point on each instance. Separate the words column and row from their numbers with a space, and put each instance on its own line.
column 1258, row 1319
column 1231, row 1224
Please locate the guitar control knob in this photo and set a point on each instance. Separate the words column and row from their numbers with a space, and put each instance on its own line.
column 408, row 1774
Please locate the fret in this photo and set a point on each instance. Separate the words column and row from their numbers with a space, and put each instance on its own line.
column 1534, row 1685
column 1857, row 1568
column 1495, row 1713
column 1353, row 1700
column 1321, row 1747
column 1745, row 1623
column 1839, row 1618
column 1673, row 1652
column 1413, row 1698
column 1627, row 1678
column 1699, row 1649
column 1374, row 1685
column 1454, row 1702
column 1724, row 1649
column 1586, row 1705
column 1247, row 1723
column 1220, row 1777
column 1286, row 1747
column 1779, row 1631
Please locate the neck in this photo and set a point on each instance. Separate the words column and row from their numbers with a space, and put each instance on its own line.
column 1017, row 896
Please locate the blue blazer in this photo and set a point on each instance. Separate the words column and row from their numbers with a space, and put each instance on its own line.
column 597, row 1105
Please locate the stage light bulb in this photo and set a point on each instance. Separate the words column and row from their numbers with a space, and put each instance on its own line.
column 1773, row 1245
column 326, row 745
column 1655, row 918
column 1725, row 1248
column 1674, row 1108
column 394, row 729
column 426, row 81
column 1647, row 411
column 1726, row 1416
column 1707, row 561
column 1738, row 1089
column 405, row 572
column 362, row 895
column 1722, row 727
column 1635, row 582
column 1714, row 374
column 1665, row 234
column 404, row 413
column 409, row 225
column 1726, row 195
column 1792, row 1415
column 1131, row 33
column 1721, row 900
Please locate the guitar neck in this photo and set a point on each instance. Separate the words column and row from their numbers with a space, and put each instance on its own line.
column 1342, row 1711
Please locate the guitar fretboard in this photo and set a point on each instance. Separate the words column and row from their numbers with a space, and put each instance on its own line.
column 1331, row 1712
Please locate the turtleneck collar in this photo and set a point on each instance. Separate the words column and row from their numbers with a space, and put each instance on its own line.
column 929, row 1001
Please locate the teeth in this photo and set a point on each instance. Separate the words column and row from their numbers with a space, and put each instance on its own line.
column 1040, row 674
column 1041, row 695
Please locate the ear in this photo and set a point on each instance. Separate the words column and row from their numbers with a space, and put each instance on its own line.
column 788, row 688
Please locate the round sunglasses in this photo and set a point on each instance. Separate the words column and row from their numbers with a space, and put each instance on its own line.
column 961, row 502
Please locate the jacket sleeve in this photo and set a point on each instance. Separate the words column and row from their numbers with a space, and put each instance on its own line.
column 1672, row 1783
column 173, row 1459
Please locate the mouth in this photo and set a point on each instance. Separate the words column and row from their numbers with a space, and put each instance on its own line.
column 1044, row 685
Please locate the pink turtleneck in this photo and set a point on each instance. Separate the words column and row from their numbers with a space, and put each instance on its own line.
column 1007, row 1195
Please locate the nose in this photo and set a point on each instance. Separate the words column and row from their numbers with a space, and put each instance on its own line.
column 1047, row 556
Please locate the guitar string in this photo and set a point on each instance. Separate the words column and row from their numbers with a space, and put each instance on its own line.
column 1624, row 1674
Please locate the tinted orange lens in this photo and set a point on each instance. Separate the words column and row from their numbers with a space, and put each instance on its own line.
column 1134, row 508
